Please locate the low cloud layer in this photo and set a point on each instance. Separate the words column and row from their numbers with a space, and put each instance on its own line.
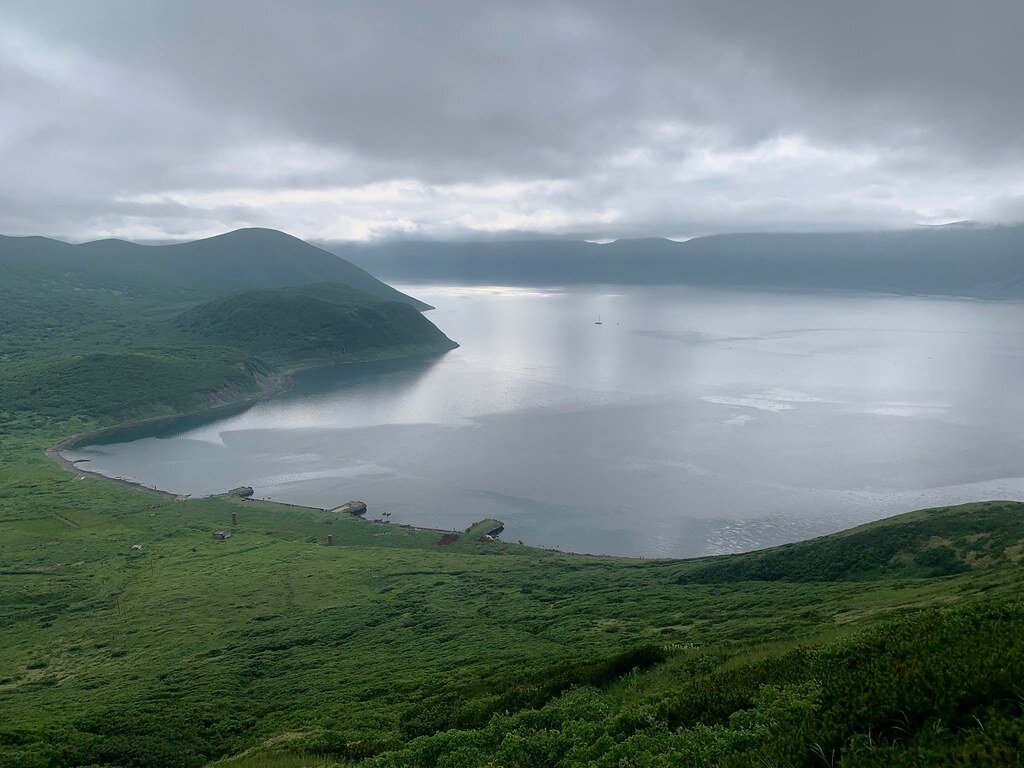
column 452, row 119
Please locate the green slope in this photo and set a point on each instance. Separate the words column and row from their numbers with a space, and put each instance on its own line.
column 936, row 688
column 126, row 385
column 114, row 330
column 57, row 298
column 236, row 261
column 940, row 542
column 483, row 653
column 321, row 322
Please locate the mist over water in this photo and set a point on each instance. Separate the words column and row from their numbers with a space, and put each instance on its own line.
column 689, row 422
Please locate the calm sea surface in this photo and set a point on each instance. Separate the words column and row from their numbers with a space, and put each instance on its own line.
column 690, row 422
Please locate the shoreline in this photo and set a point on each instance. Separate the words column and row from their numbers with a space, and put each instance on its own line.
column 282, row 382
column 278, row 383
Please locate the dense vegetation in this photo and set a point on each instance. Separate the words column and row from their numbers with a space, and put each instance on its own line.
column 112, row 329
column 122, row 385
column 900, row 643
column 939, row 542
column 61, row 299
column 321, row 322
column 393, row 648
column 241, row 260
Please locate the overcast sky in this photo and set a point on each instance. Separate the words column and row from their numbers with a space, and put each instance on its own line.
column 335, row 120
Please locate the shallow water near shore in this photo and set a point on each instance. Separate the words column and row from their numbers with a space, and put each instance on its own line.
column 689, row 422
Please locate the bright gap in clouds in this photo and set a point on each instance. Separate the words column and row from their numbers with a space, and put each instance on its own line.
column 703, row 183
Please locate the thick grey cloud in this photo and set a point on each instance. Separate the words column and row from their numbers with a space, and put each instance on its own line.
column 352, row 120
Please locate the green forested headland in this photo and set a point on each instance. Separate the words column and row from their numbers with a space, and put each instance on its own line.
column 899, row 643
column 113, row 329
column 311, row 323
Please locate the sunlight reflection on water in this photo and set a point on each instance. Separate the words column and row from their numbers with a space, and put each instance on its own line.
column 689, row 422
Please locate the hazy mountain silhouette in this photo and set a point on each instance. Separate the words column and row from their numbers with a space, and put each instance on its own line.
column 965, row 260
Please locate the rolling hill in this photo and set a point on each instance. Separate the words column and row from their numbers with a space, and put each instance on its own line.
column 116, row 330
column 74, row 299
column 319, row 322
column 134, row 384
column 938, row 542
column 228, row 263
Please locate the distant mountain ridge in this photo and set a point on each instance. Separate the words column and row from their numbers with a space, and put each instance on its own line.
column 241, row 260
column 972, row 261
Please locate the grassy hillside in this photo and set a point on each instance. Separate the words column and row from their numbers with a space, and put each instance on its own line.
column 326, row 321
column 113, row 330
column 394, row 647
column 45, row 320
column 217, row 352
column 236, row 261
column 62, row 299
column 933, row 688
column 938, row 542
column 124, row 385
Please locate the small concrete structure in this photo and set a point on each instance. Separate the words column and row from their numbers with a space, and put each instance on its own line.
column 221, row 535
column 356, row 508
column 136, row 547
